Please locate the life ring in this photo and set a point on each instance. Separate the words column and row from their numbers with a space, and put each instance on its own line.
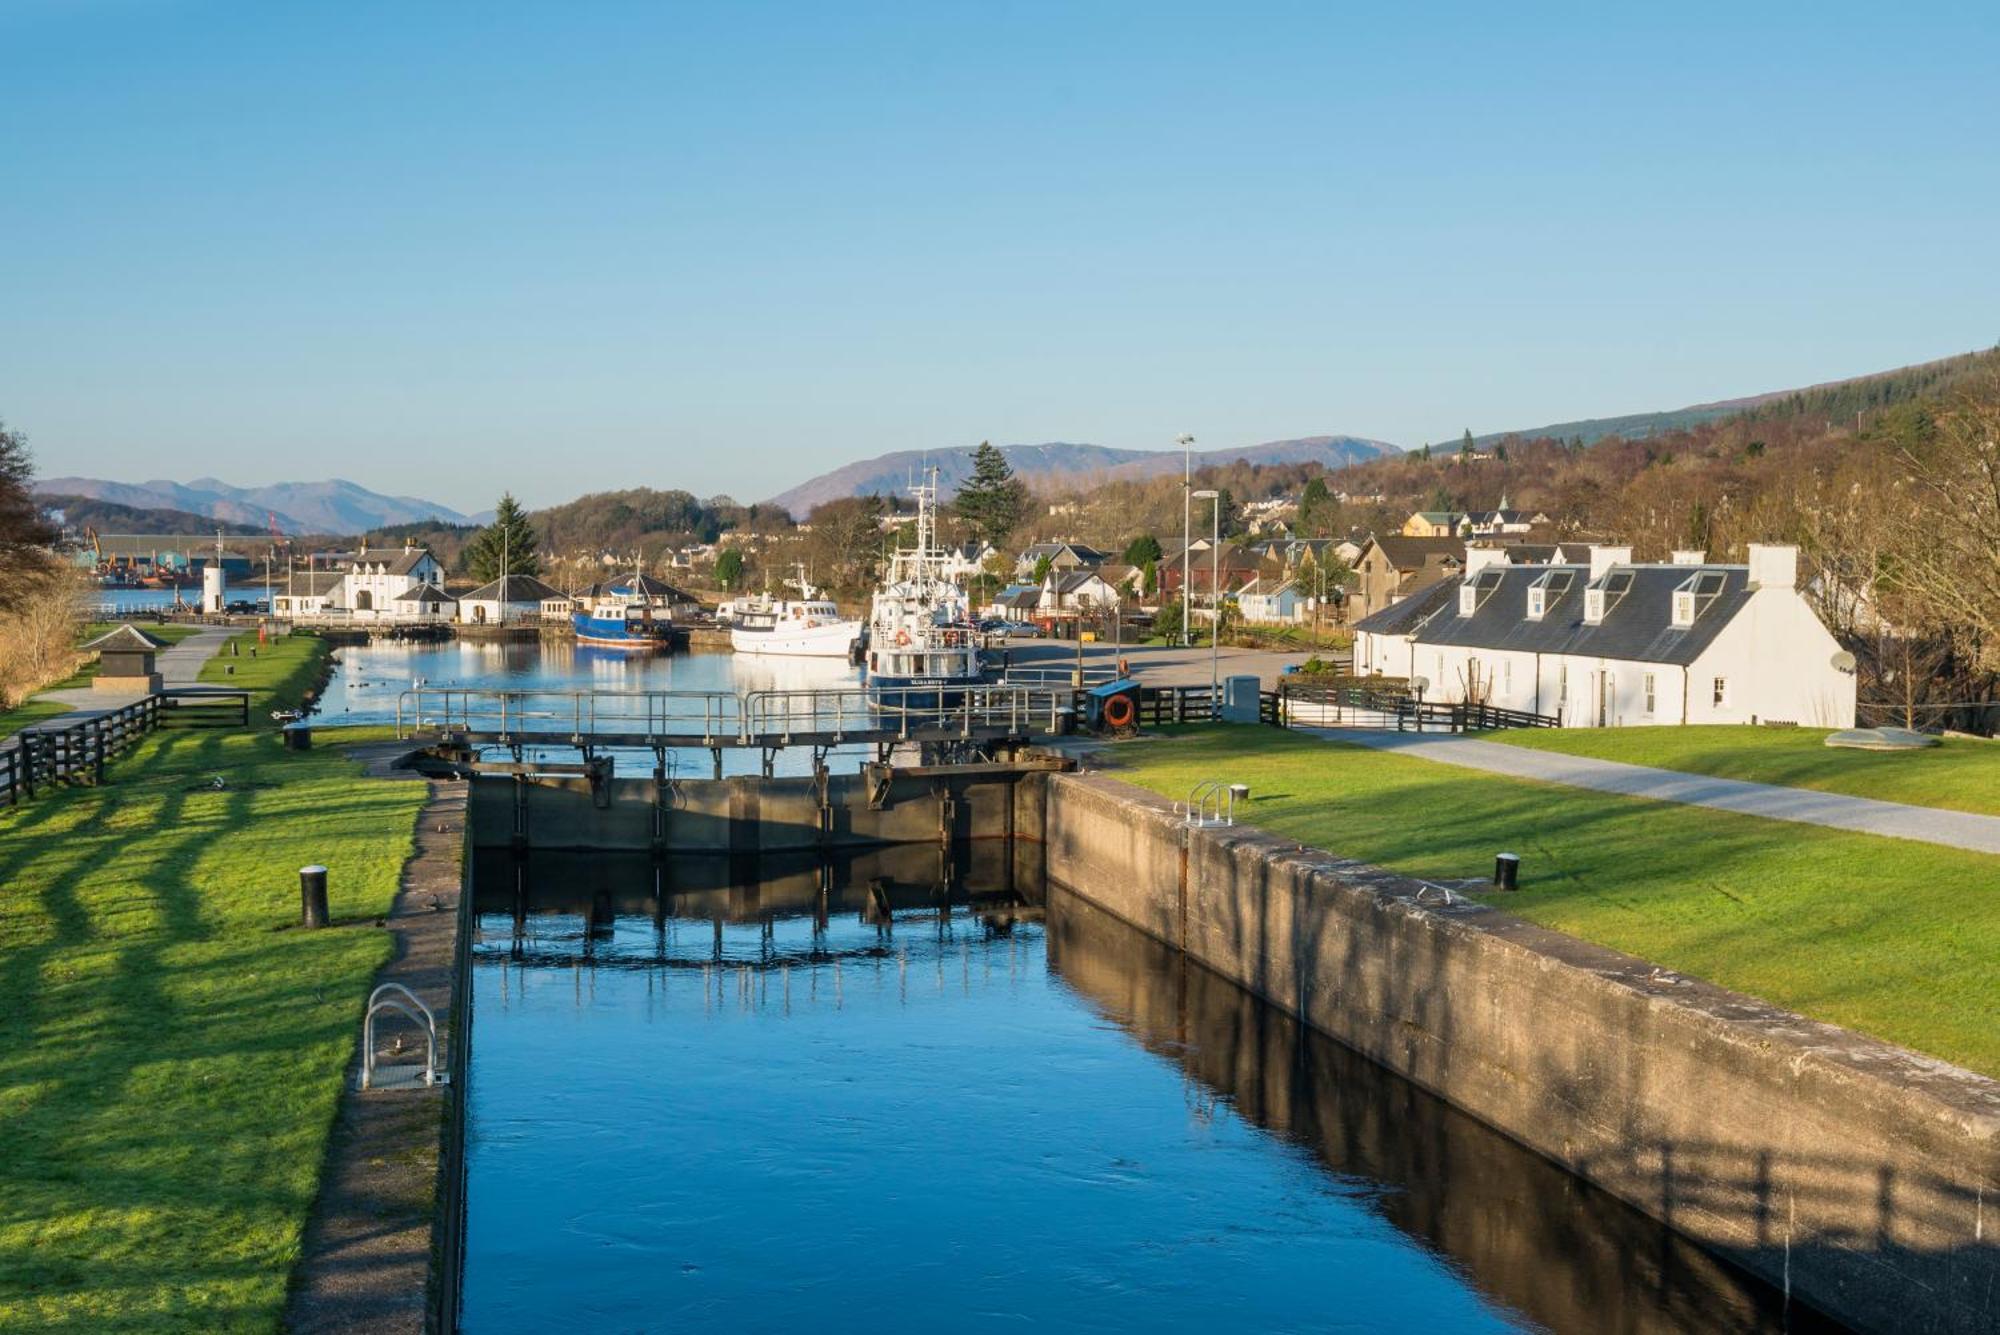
column 902, row 638
column 1118, row 711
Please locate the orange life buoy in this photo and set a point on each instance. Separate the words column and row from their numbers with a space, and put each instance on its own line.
column 1118, row 711
column 902, row 637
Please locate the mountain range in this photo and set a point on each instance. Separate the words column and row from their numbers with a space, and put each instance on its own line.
column 1062, row 461
column 333, row 506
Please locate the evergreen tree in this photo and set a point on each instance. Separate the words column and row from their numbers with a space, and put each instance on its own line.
column 993, row 501
column 1042, row 568
column 1466, row 448
column 1319, row 511
column 507, row 546
column 729, row 568
column 1143, row 550
column 1425, row 452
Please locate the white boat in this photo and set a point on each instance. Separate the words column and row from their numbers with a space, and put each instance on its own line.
column 808, row 626
column 922, row 647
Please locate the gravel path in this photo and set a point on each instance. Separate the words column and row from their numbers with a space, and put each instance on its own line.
column 178, row 664
column 1865, row 815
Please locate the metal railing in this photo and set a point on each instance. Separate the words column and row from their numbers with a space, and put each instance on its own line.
column 395, row 998
column 722, row 718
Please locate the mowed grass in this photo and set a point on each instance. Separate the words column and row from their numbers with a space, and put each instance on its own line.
column 1960, row 773
column 29, row 711
column 173, row 1048
column 1890, row 937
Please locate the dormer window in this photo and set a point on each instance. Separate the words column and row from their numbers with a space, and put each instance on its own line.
column 1477, row 590
column 1546, row 591
column 1605, row 594
column 1694, row 595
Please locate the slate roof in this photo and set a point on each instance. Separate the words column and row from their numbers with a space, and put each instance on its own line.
column 1637, row 628
column 1410, row 553
column 312, row 583
column 127, row 639
column 1077, row 579
column 425, row 593
column 401, row 563
column 1399, row 618
column 1021, row 599
column 519, row 589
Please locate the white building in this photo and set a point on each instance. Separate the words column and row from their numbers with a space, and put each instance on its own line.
column 1613, row 644
column 307, row 592
column 507, row 601
column 1076, row 591
column 376, row 582
column 1274, row 602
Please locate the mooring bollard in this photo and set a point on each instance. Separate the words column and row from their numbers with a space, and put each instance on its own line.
column 312, row 896
column 1506, row 870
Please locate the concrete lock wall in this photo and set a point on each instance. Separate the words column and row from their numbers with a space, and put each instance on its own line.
column 1854, row 1174
column 754, row 816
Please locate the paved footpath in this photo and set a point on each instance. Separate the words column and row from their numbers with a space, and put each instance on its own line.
column 1865, row 815
column 178, row 664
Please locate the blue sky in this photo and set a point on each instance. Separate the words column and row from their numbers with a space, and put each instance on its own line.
column 445, row 248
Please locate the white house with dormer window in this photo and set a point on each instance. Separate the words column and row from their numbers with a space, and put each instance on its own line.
column 391, row 586
column 1615, row 643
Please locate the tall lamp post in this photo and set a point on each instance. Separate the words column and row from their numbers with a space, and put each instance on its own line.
column 1187, row 533
column 1214, row 595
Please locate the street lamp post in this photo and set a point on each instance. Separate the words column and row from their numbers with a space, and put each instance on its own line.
column 1214, row 597
column 1187, row 530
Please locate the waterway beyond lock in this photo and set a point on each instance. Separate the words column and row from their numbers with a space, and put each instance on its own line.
column 902, row 1092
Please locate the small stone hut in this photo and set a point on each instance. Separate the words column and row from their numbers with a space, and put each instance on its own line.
column 125, row 661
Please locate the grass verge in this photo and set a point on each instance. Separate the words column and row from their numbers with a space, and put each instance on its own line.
column 1958, row 774
column 1893, row 938
column 173, row 1054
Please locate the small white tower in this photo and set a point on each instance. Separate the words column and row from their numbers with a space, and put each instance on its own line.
column 212, row 597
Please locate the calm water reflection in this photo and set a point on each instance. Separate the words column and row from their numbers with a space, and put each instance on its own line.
column 903, row 1096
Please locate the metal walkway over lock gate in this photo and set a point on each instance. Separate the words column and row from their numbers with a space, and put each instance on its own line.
column 712, row 720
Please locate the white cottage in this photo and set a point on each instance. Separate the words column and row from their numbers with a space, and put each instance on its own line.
column 307, row 592
column 507, row 601
column 1613, row 643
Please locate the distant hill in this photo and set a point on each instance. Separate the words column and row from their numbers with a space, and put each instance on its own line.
column 333, row 506
column 81, row 512
column 1833, row 398
column 1061, row 461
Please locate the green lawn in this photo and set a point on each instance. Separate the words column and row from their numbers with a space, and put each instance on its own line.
column 278, row 676
column 1894, row 938
column 1961, row 774
column 172, row 1052
column 29, row 711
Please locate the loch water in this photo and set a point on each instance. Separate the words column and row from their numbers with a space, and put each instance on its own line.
column 906, row 1090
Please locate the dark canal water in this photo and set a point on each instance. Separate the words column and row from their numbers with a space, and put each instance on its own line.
column 916, row 1100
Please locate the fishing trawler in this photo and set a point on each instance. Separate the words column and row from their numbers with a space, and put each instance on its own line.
column 808, row 626
column 632, row 613
column 922, row 648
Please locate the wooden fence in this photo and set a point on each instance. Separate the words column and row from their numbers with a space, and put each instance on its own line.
column 75, row 749
column 1371, row 707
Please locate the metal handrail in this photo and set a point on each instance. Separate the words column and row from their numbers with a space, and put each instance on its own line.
column 1209, row 796
column 396, row 997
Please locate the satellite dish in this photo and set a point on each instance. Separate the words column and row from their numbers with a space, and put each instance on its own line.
column 1843, row 661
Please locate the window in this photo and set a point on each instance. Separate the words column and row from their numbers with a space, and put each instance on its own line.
column 1652, row 696
column 1506, row 676
column 1562, row 683
column 1694, row 595
column 1721, row 689
column 1593, row 605
column 1548, row 588
column 1468, row 599
column 1537, row 601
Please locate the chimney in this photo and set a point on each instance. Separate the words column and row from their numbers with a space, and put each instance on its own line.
column 1773, row 567
column 1689, row 556
column 1478, row 558
column 1603, row 558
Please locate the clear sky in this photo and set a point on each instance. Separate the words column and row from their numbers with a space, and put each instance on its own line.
column 444, row 248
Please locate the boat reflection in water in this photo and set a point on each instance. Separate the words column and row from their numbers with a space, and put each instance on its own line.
column 913, row 1090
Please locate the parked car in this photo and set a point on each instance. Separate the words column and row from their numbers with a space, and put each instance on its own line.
column 243, row 607
column 1027, row 630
